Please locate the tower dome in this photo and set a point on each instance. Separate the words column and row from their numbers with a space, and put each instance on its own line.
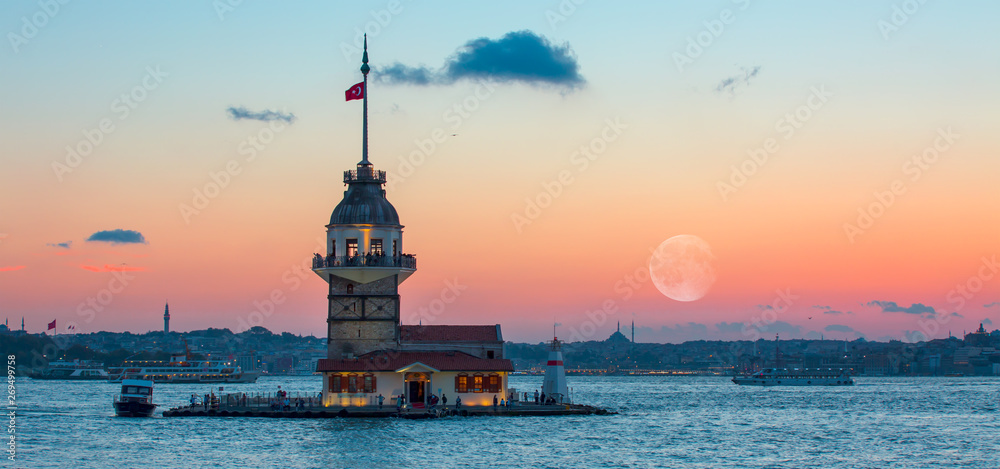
column 364, row 200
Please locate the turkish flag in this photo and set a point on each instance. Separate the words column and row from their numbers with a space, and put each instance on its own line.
column 52, row 325
column 355, row 92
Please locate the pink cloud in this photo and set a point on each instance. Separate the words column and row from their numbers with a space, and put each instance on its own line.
column 11, row 268
column 111, row 268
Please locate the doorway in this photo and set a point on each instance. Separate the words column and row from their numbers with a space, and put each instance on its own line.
column 416, row 392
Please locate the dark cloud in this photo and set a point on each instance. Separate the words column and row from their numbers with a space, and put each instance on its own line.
column 727, row 327
column 65, row 245
column 118, row 236
column 730, row 85
column 987, row 321
column 518, row 56
column 825, row 308
column 829, row 310
column 959, row 316
column 892, row 307
column 990, row 305
column 267, row 115
column 838, row 328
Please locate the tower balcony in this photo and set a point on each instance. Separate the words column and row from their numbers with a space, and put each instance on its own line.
column 364, row 174
column 365, row 268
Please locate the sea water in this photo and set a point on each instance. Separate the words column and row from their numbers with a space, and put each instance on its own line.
column 662, row 421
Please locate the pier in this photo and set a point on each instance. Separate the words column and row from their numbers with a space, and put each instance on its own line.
column 263, row 405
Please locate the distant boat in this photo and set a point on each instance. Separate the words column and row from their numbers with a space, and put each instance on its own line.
column 136, row 399
column 74, row 370
column 180, row 370
column 784, row 377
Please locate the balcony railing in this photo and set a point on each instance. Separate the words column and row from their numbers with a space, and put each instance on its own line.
column 406, row 261
column 364, row 174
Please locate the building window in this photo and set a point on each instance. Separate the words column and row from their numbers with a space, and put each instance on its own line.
column 376, row 247
column 477, row 383
column 462, row 383
column 493, row 383
column 350, row 288
column 369, row 383
column 334, row 383
column 489, row 354
column 352, row 383
column 352, row 247
column 395, row 251
column 333, row 247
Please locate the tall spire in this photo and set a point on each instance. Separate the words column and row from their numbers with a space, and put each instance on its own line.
column 364, row 132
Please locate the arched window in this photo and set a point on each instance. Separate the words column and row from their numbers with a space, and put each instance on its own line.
column 462, row 383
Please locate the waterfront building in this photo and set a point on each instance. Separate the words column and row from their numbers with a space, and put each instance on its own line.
column 369, row 353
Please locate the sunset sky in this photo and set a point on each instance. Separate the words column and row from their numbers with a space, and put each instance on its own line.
column 871, row 208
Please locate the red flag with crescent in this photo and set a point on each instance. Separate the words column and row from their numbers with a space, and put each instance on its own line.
column 355, row 92
column 52, row 325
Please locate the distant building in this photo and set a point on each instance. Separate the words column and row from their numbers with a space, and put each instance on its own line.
column 369, row 353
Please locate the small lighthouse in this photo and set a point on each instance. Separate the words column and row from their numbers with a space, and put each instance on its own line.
column 554, row 385
column 166, row 318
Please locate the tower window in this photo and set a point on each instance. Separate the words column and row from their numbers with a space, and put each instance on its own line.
column 395, row 251
column 376, row 247
column 352, row 247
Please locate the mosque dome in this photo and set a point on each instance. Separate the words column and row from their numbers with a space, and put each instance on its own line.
column 364, row 204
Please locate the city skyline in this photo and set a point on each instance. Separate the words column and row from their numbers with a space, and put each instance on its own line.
column 838, row 165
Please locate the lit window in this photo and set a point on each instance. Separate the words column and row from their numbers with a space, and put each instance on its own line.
column 477, row 383
column 493, row 383
column 376, row 248
column 352, row 247
column 462, row 383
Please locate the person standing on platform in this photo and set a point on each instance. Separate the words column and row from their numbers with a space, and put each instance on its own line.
column 380, row 399
column 536, row 396
column 495, row 403
column 444, row 400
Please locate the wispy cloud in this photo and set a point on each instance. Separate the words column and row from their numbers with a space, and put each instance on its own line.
column 65, row 245
column 990, row 305
column 892, row 307
column 729, row 86
column 518, row 56
column 11, row 268
column 838, row 328
column 987, row 321
column 118, row 236
column 111, row 268
column 267, row 115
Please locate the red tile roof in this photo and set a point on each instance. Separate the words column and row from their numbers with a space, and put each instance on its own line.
column 411, row 333
column 393, row 360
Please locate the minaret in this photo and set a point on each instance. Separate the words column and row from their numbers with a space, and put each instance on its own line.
column 22, row 323
column 166, row 318
column 364, row 261
column 633, row 331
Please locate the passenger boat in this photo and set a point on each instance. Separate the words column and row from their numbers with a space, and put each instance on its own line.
column 74, row 370
column 181, row 370
column 136, row 399
column 785, row 377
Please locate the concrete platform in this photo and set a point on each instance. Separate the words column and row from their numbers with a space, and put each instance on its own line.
column 516, row 410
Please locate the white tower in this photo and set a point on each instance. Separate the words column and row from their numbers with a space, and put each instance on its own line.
column 554, row 385
column 364, row 262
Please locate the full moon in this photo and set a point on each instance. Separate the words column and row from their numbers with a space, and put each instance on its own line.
column 681, row 268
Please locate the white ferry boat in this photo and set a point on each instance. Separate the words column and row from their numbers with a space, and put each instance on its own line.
column 785, row 377
column 180, row 370
column 74, row 370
